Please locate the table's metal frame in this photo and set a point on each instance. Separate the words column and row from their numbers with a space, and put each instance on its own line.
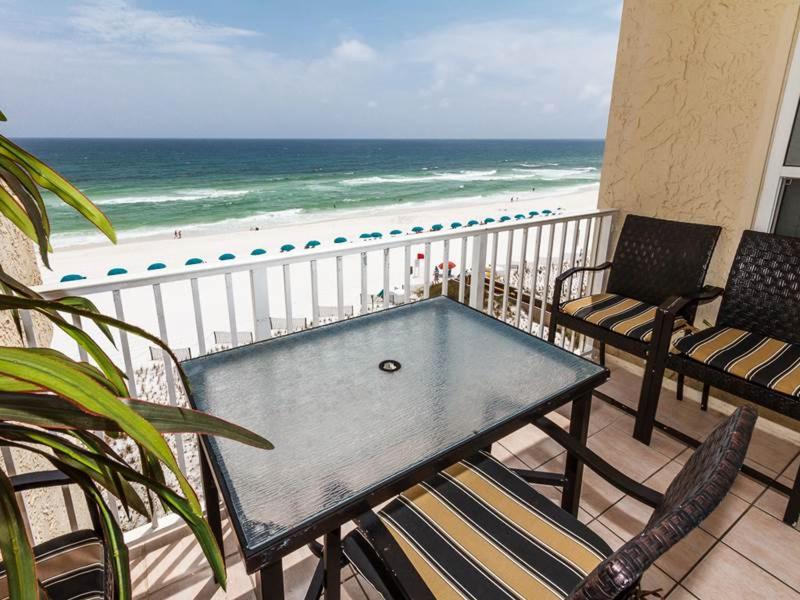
column 267, row 560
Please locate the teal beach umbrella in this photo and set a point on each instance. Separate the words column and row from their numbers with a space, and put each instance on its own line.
column 194, row 261
column 340, row 240
column 117, row 271
column 258, row 252
column 312, row 244
column 72, row 277
column 227, row 256
column 505, row 218
column 472, row 222
column 287, row 248
column 519, row 216
column 377, row 234
column 488, row 220
column 365, row 236
column 395, row 232
column 156, row 266
column 455, row 225
column 533, row 213
column 547, row 211
column 417, row 229
column 437, row 227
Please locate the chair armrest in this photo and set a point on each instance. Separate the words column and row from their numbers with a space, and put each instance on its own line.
column 614, row 476
column 570, row 272
column 673, row 304
column 39, row 479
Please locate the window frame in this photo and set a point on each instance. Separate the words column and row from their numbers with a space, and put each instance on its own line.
column 768, row 205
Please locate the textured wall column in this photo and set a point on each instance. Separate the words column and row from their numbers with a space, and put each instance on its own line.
column 695, row 97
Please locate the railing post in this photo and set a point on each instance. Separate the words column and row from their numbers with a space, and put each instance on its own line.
column 477, row 283
column 603, row 251
column 259, row 293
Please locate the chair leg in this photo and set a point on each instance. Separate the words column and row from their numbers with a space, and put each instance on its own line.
column 602, row 354
column 704, row 400
column 653, row 379
column 792, row 513
column 679, row 392
column 551, row 329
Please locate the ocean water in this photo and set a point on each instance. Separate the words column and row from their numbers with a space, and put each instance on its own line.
column 152, row 186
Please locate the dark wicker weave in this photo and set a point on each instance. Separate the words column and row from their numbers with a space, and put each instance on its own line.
column 762, row 293
column 762, row 296
column 692, row 496
column 656, row 259
column 695, row 492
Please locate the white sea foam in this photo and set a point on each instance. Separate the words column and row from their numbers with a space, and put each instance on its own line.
column 176, row 196
column 542, row 174
column 279, row 217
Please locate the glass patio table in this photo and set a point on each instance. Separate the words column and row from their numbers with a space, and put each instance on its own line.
column 362, row 409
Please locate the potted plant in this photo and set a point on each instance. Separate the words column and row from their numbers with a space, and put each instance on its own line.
column 54, row 406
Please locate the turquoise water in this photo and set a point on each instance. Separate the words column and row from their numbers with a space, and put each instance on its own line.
column 154, row 186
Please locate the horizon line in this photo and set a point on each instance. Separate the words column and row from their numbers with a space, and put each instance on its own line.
column 319, row 139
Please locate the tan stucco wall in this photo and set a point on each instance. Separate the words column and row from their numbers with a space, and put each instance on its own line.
column 695, row 96
column 18, row 260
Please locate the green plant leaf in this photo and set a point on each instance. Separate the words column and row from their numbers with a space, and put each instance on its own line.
column 14, row 212
column 2, row 116
column 32, row 210
column 25, row 179
column 33, row 303
column 174, row 501
column 15, row 546
column 48, row 178
column 52, row 412
column 117, row 549
column 85, row 461
column 56, row 374
column 87, row 304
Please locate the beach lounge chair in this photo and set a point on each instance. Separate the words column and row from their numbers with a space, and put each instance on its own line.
column 477, row 530
column 225, row 337
column 328, row 312
column 180, row 353
column 280, row 324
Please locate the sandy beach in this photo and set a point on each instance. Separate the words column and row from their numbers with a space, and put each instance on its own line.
column 93, row 262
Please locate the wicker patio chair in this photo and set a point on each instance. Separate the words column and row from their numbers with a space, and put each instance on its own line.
column 655, row 261
column 477, row 530
column 753, row 351
column 74, row 565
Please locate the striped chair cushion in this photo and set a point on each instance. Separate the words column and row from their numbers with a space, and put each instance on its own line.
column 477, row 530
column 622, row 315
column 70, row 567
column 763, row 360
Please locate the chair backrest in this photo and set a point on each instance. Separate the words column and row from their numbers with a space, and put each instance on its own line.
column 656, row 258
column 693, row 495
column 762, row 293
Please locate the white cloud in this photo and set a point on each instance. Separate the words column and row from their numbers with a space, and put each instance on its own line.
column 118, row 22
column 354, row 51
column 124, row 71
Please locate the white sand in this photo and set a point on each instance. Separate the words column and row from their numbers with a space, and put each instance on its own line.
column 94, row 261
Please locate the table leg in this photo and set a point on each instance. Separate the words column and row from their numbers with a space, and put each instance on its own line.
column 212, row 502
column 579, row 429
column 271, row 581
column 332, row 555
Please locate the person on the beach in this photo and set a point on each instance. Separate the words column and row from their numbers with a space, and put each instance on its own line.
column 436, row 275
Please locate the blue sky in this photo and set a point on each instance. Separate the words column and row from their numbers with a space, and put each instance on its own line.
column 256, row 68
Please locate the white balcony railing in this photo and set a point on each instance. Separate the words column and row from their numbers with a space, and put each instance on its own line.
column 205, row 307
